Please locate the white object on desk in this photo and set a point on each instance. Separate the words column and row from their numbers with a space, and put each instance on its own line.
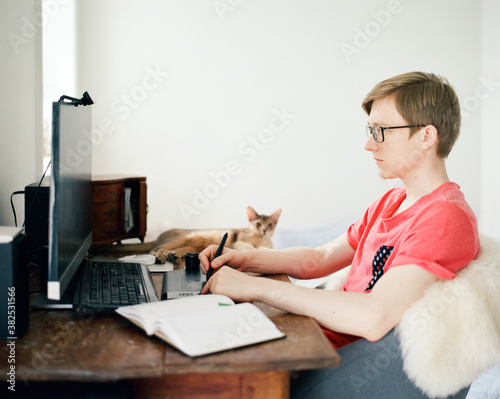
column 149, row 260
column 161, row 267
column 144, row 259
column 8, row 234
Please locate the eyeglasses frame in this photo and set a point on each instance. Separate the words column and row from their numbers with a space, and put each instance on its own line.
column 370, row 130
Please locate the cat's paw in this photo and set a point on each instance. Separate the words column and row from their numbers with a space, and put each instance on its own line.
column 165, row 255
column 172, row 256
column 159, row 258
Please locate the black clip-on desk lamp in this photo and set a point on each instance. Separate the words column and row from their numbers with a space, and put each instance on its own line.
column 85, row 100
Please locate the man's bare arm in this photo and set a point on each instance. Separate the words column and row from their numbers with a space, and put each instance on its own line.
column 369, row 315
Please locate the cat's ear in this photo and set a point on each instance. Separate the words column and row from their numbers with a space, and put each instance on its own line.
column 251, row 214
column 275, row 216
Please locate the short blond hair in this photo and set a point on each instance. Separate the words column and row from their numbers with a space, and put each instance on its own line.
column 423, row 99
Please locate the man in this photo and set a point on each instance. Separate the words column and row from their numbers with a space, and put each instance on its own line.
column 407, row 240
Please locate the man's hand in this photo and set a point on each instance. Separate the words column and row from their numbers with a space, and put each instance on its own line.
column 228, row 257
column 232, row 283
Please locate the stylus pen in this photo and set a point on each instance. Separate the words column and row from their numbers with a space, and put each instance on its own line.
column 217, row 253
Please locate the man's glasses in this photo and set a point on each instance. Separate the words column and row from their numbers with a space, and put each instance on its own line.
column 378, row 132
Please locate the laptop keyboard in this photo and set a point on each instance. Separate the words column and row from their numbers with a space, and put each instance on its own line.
column 110, row 283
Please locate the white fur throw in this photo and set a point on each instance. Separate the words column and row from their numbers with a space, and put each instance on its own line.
column 452, row 334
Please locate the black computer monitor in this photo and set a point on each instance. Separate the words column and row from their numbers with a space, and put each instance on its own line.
column 70, row 201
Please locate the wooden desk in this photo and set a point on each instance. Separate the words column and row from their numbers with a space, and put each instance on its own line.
column 59, row 347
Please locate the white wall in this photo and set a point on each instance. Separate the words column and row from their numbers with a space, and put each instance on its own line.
column 182, row 89
column 20, row 103
column 59, row 61
column 489, row 100
column 221, row 79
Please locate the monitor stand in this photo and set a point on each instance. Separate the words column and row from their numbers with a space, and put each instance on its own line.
column 41, row 302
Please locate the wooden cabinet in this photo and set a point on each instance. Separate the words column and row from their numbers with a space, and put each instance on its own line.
column 119, row 208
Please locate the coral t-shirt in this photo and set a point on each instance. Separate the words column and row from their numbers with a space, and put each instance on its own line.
column 438, row 233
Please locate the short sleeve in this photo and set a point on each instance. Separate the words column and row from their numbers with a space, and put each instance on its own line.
column 443, row 240
column 354, row 233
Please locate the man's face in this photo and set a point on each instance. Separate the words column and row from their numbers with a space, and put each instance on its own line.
column 398, row 155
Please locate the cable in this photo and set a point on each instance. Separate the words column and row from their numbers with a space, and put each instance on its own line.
column 36, row 191
column 12, row 205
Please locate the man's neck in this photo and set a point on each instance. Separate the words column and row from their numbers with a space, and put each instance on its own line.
column 424, row 181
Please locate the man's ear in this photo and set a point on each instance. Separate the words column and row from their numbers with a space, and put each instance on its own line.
column 429, row 137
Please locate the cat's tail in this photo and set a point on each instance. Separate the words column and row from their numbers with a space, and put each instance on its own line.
column 136, row 249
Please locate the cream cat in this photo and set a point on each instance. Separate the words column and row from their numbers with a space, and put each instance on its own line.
column 173, row 244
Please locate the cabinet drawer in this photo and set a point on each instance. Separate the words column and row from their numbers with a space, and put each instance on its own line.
column 106, row 212
column 107, row 231
column 107, row 193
